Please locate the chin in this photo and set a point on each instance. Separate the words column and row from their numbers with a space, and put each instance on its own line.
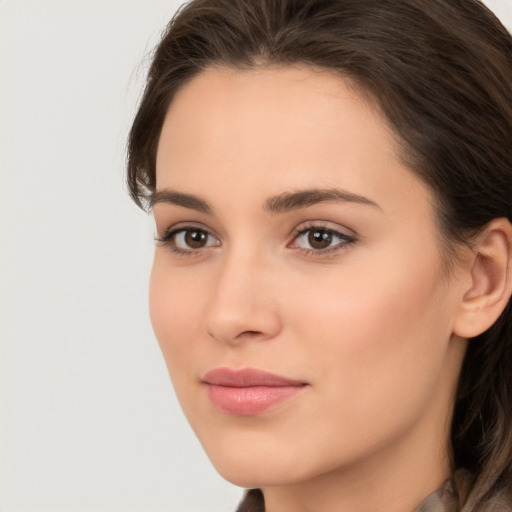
column 245, row 479
column 258, row 464
column 243, row 467
column 255, row 474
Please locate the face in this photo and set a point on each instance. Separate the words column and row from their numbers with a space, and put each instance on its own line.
column 298, row 291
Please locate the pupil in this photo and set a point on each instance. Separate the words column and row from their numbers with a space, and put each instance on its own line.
column 196, row 238
column 320, row 239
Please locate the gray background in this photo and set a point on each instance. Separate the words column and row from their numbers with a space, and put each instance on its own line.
column 88, row 418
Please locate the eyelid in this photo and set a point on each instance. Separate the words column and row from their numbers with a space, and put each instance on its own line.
column 347, row 239
column 323, row 224
column 167, row 239
column 184, row 225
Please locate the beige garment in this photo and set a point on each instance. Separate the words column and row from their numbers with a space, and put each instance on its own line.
column 447, row 498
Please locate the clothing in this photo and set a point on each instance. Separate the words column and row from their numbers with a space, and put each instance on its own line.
column 447, row 498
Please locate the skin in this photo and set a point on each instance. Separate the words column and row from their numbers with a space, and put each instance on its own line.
column 368, row 325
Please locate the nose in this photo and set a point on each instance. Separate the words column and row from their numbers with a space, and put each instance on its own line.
column 243, row 305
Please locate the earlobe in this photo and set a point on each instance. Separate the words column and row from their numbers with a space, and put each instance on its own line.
column 490, row 287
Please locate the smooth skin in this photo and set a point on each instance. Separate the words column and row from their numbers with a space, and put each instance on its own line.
column 343, row 286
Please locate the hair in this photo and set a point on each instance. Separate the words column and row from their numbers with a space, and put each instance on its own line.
column 441, row 73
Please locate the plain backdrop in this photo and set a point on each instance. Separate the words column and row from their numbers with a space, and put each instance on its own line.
column 88, row 418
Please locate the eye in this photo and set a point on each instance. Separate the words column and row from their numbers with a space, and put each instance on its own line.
column 188, row 239
column 321, row 239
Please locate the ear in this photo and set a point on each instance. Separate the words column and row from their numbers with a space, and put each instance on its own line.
column 490, row 281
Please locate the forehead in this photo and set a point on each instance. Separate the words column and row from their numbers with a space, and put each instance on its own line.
column 294, row 101
column 275, row 128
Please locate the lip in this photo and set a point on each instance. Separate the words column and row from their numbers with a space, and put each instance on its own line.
column 248, row 391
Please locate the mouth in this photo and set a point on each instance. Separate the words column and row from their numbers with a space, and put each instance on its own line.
column 249, row 392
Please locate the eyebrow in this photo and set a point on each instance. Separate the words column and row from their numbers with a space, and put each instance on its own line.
column 170, row 196
column 304, row 198
column 282, row 203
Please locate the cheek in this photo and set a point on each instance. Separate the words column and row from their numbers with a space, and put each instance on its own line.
column 175, row 311
column 379, row 335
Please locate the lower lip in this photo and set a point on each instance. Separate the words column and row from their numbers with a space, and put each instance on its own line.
column 250, row 401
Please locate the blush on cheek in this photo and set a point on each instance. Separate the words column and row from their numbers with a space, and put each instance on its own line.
column 171, row 308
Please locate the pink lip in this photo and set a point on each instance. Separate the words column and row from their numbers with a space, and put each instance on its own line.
column 248, row 391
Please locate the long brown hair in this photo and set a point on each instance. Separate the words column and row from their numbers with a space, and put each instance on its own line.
column 441, row 72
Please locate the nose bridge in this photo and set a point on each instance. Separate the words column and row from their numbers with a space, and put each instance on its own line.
column 242, row 304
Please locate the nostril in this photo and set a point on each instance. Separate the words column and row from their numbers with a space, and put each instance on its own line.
column 231, row 321
column 212, row 336
column 249, row 335
column 240, row 336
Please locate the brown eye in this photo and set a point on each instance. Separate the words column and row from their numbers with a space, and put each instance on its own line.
column 320, row 238
column 196, row 238
column 189, row 240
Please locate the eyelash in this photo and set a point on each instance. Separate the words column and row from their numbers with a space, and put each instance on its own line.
column 168, row 239
column 345, row 240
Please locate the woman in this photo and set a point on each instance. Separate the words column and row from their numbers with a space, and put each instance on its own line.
column 331, row 182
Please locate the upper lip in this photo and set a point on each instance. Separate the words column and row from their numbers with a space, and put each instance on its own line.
column 247, row 377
